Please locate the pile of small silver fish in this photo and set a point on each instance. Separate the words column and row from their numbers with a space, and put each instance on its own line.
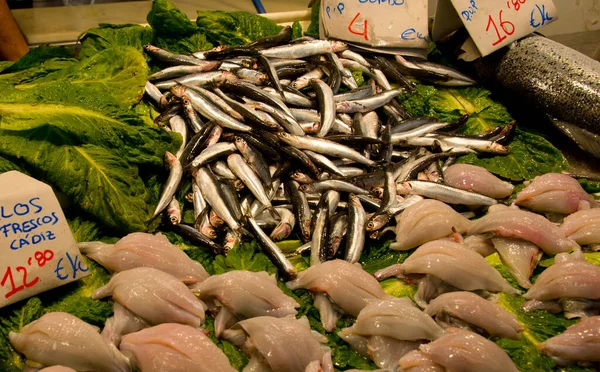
column 279, row 137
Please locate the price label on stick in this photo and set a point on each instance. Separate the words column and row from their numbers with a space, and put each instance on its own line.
column 36, row 245
column 377, row 23
column 494, row 24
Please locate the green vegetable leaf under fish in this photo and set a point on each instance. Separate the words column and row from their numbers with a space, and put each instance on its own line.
column 313, row 28
column 234, row 28
column 530, row 155
column 296, row 30
column 247, row 256
column 107, row 36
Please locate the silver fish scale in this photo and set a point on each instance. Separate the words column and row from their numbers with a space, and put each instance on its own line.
column 554, row 78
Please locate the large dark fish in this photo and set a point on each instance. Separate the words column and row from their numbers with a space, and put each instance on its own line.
column 554, row 79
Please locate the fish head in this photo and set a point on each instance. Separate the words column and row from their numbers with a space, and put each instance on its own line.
column 376, row 222
column 170, row 159
column 179, row 90
column 298, row 176
column 308, row 188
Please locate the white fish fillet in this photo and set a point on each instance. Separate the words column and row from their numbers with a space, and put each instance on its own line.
column 62, row 339
column 154, row 296
column 425, row 221
column 460, row 350
column 247, row 294
column 571, row 276
column 477, row 311
column 416, row 361
column 519, row 256
column 514, row 223
column 478, row 179
column 174, row 348
column 346, row 284
column 583, row 226
column 457, row 265
column 286, row 344
column 555, row 192
column 580, row 342
column 145, row 250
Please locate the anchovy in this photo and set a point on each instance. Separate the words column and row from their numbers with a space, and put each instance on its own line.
column 324, row 162
column 170, row 58
column 212, row 194
column 444, row 193
column 310, row 127
column 349, row 54
column 320, row 235
column 325, row 147
column 288, row 122
column 337, row 185
column 191, row 116
column 173, row 181
column 303, row 115
column 358, row 93
column 250, row 114
column 178, row 125
column 368, row 104
column 304, row 80
column 284, row 36
column 292, row 98
column 448, row 142
column 301, row 209
column 417, row 132
column 231, row 199
column 299, row 50
column 218, row 101
column 208, row 110
column 240, row 168
column 174, row 212
column 231, row 240
column 213, row 152
column 326, row 105
column 285, row 226
column 199, row 79
column 257, row 94
column 271, row 249
column 178, row 71
column 196, row 237
column 285, row 63
column 196, row 144
column 337, row 231
column 271, row 73
column 355, row 240
column 155, row 95
column 255, row 160
column 390, row 70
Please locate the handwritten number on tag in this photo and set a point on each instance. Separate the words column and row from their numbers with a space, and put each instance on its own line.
column 355, row 32
column 506, row 26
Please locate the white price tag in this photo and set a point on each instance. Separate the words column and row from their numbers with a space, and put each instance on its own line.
column 494, row 24
column 37, row 248
column 377, row 23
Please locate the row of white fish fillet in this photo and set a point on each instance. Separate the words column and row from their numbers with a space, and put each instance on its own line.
column 161, row 295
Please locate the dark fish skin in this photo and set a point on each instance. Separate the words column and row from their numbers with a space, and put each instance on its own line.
column 554, row 79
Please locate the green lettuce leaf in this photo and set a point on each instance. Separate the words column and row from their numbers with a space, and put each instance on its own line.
column 530, row 155
column 378, row 256
column 39, row 55
column 247, row 256
column 168, row 21
column 590, row 186
column 237, row 358
column 107, row 36
column 484, row 113
column 296, row 30
column 7, row 165
column 313, row 28
column 417, row 102
column 234, row 28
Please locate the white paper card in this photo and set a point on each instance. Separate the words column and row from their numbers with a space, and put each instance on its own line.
column 37, row 247
column 377, row 23
column 494, row 24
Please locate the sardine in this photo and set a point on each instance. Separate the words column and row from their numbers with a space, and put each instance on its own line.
column 175, row 175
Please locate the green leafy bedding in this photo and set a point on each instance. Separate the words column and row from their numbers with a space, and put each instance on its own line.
column 79, row 124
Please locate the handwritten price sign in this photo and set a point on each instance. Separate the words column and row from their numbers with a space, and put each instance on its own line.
column 377, row 23
column 496, row 23
column 36, row 245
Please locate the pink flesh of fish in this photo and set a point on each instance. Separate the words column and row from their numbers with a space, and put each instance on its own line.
column 583, row 226
column 145, row 250
column 477, row 311
column 519, row 256
column 457, row 265
column 460, row 350
column 514, row 223
column 571, row 276
column 346, row 284
column 247, row 294
column 580, row 342
column 416, row 361
column 555, row 192
column 176, row 348
column 61, row 338
column 154, row 296
column 286, row 344
column 425, row 221
column 477, row 179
